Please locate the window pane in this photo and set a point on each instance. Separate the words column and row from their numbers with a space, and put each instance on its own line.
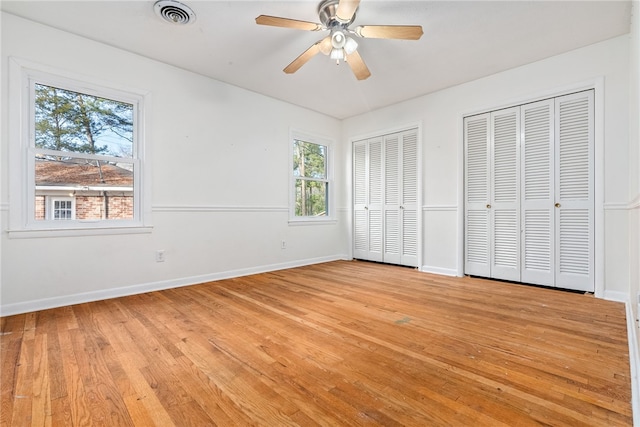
column 309, row 160
column 102, row 190
column 62, row 209
column 80, row 123
column 311, row 198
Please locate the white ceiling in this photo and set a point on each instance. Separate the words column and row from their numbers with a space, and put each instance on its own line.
column 462, row 41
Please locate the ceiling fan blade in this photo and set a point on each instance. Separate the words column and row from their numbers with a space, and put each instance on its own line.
column 404, row 32
column 346, row 9
column 303, row 58
column 358, row 66
column 325, row 45
column 276, row 21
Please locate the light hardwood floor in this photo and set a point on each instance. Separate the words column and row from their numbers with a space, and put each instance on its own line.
column 335, row 344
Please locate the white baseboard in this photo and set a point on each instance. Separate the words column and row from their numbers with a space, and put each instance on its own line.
column 65, row 300
column 634, row 364
column 616, row 296
column 439, row 270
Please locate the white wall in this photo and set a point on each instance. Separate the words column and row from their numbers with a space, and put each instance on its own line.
column 634, row 156
column 441, row 113
column 634, row 197
column 220, row 171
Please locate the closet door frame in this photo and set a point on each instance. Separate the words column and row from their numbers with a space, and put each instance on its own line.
column 351, row 196
column 597, row 85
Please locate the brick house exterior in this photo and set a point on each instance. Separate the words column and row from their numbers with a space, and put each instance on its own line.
column 89, row 190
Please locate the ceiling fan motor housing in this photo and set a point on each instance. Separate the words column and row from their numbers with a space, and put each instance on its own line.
column 327, row 13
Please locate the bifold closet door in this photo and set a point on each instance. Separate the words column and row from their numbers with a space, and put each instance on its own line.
column 385, row 175
column 492, row 195
column 367, row 207
column 401, row 198
column 504, row 191
column 409, row 202
column 574, row 191
column 529, row 193
column 392, row 188
column 538, row 189
column 477, row 224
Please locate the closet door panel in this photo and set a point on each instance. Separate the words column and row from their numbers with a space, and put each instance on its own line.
column 477, row 223
column 505, row 194
column 537, row 190
column 392, row 194
column 360, row 198
column 367, row 203
column 392, row 233
column 574, row 210
column 375, row 202
column 409, row 202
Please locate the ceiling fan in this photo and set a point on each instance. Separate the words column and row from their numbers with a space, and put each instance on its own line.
column 336, row 16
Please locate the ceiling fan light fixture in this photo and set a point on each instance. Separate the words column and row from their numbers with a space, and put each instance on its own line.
column 338, row 39
column 337, row 54
column 350, row 46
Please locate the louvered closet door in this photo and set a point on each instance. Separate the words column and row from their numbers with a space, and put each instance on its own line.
column 368, row 219
column 505, row 194
column 537, row 192
column 376, row 219
column 477, row 225
column 392, row 189
column 574, row 188
column 385, row 177
column 360, row 196
column 409, row 202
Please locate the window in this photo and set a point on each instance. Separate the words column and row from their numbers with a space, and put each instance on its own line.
column 81, row 154
column 62, row 208
column 311, row 178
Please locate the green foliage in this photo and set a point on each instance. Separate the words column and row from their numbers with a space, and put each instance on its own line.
column 81, row 123
column 311, row 198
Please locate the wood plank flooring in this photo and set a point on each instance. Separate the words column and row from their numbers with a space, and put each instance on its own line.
column 342, row 343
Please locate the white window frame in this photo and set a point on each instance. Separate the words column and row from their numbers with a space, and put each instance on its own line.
column 23, row 75
column 330, row 217
column 50, row 213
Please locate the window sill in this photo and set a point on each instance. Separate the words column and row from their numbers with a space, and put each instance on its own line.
column 313, row 221
column 74, row 232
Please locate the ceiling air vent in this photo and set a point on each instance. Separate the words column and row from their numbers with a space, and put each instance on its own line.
column 174, row 12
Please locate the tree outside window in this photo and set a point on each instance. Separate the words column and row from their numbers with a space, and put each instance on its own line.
column 75, row 122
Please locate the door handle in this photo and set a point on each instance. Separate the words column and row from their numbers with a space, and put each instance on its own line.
column 366, row 207
column 488, row 206
column 557, row 205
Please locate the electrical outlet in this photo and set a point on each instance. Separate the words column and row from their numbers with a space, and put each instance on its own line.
column 160, row 255
column 283, row 244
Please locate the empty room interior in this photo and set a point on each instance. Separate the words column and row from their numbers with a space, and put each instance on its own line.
column 336, row 212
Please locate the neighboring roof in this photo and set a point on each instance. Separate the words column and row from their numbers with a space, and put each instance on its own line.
column 84, row 174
